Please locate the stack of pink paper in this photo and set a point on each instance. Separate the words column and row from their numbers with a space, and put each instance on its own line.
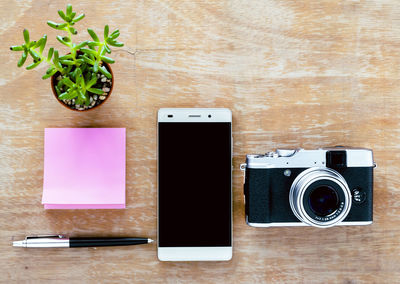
column 84, row 168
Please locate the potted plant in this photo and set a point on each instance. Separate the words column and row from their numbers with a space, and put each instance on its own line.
column 82, row 79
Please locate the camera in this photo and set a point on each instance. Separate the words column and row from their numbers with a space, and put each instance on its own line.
column 320, row 188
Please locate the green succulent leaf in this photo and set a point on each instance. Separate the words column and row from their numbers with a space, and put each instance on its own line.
column 53, row 24
column 73, row 50
column 91, row 82
column 105, row 72
column 87, row 101
column 26, row 36
column 88, row 51
column 68, row 69
column 78, row 100
column 73, row 30
column 41, row 43
column 63, row 96
column 62, row 15
column 78, row 76
column 81, row 95
column 64, row 40
column 70, row 17
column 109, row 41
column 57, row 89
column 48, row 71
column 35, row 56
column 67, row 81
column 93, row 44
column 119, row 44
column 56, row 25
column 95, row 91
column 80, row 82
column 102, row 50
column 72, row 74
column 37, row 43
column 69, row 9
column 114, row 34
column 33, row 65
column 22, row 60
column 31, row 44
column 50, row 54
column 56, row 60
column 107, row 49
column 88, row 60
column 42, row 46
column 65, row 57
column 96, row 67
column 17, row 48
column 60, row 83
column 67, row 62
column 80, row 17
column 93, row 35
column 67, row 95
column 82, row 44
column 107, row 59
column 114, row 43
column 49, row 74
column 56, row 57
column 62, row 26
column 106, row 30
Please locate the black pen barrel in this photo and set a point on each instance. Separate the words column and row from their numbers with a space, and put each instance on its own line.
column 105, row 242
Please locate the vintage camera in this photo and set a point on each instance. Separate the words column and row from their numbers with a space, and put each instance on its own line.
column 321, row 188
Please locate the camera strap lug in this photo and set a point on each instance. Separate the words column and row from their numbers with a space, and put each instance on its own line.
column 243, row 169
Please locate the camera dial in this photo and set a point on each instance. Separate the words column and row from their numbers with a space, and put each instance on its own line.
column 320, row 197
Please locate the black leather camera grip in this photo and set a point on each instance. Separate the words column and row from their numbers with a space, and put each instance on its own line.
column 257, row 195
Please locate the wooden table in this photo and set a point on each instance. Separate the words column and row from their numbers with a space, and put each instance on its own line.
column 294, row 73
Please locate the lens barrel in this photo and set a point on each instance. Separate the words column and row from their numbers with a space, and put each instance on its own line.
column 320, row 197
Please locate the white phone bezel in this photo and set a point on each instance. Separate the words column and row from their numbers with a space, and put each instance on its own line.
column 194, row 253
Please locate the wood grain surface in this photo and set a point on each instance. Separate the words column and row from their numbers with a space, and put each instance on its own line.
column 294, row 73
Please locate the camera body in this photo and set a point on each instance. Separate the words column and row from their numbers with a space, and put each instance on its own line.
column 321, row 188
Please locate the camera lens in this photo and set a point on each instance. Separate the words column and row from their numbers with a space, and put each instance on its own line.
column 323, row 201
column 320, row 197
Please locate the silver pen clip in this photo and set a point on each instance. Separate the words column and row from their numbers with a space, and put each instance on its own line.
column 45, row 236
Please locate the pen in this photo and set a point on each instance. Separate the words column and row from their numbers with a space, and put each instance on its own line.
column 61, row 241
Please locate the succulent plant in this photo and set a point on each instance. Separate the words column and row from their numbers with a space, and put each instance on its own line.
column 80, row 67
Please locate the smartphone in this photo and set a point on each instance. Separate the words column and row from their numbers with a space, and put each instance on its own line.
column 194, row 184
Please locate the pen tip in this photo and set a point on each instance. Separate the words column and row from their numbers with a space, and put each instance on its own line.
column 149, row 241
column 18, row 244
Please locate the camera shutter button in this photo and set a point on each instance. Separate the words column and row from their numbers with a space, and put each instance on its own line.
column 285, row 152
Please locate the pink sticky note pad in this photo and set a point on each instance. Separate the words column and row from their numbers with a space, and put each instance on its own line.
column 84, row 168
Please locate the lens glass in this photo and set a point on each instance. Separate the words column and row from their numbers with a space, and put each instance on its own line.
column 323, row 200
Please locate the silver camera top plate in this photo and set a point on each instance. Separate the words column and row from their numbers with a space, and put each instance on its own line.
column 301, row 158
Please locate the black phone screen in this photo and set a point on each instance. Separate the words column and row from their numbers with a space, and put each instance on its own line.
column 194, row 181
